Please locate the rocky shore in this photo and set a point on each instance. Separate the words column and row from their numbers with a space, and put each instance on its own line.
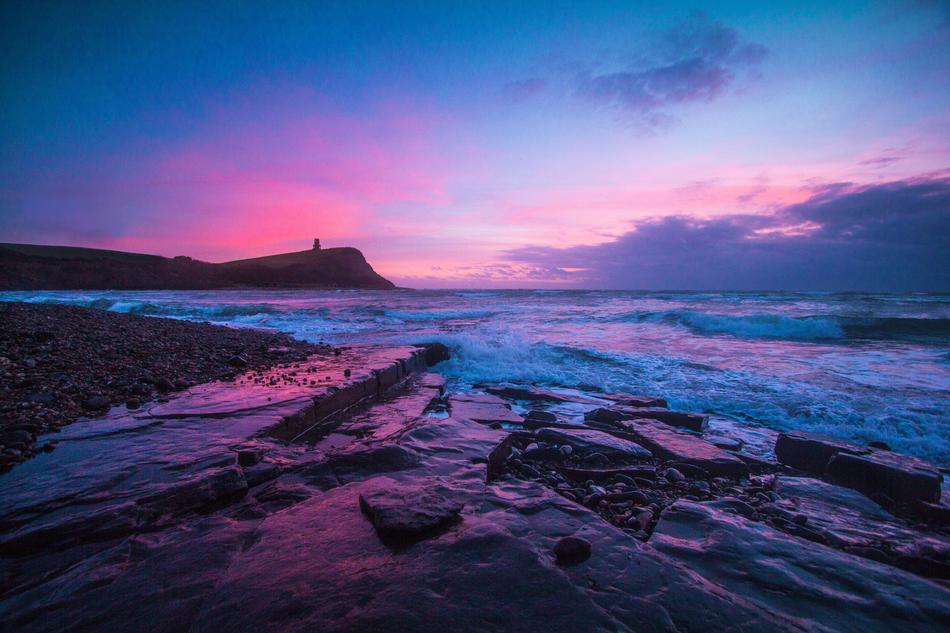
column 354, row 491
column 58, row 363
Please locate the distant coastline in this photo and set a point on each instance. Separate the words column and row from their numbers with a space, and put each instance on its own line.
column 42, row 267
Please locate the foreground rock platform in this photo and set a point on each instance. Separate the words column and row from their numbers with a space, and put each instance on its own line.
column 153, row 523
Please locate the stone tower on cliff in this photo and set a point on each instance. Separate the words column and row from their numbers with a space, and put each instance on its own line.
column 316, row 244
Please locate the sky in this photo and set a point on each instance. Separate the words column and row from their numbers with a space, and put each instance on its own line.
column 722, row 145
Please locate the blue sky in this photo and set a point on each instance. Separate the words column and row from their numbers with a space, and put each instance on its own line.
column 447, row 140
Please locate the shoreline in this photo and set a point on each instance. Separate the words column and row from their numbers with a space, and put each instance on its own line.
column 357, row 477
column 59, row 363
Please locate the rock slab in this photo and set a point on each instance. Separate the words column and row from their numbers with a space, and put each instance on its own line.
column 900, row 477
column 585, row 440
column 666, row 443
column 408, row 514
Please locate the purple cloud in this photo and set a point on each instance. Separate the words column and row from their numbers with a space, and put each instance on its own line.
column 889, row 237
column 699, row 60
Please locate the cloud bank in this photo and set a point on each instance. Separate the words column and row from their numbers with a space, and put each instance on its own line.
column 698, row 61
column 888, row 237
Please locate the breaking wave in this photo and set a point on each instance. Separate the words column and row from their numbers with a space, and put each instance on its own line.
column 817, row 328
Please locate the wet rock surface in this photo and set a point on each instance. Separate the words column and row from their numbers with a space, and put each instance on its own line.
column 408, row 514
column 351, row 493
column 58, row 363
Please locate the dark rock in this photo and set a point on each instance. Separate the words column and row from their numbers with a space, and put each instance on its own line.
column 546, row 453
column 96, row 403
column 540, row 416
column 139, row 389
column 699, row 488
column 530, row 471
column 633, row 495
column 164, row 385
column 408, row 514
column 249, row 456
column 635, row 401
column 692, row 421
column 673, row 475
column 536, row 394
column 17, row 437
column 884, row 446
column 435, row 353
column 899, row 477
column 936, row 513
column 726, row 443
column 811, row 452
column 181, row 385
column 571, row 550
column 645, row 474
column 133, row 403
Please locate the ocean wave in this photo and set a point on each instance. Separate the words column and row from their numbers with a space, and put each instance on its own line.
column 803, row 328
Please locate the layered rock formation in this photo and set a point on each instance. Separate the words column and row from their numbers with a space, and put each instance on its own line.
column 34, row 267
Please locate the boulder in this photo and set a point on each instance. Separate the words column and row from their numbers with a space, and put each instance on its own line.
column 591, row 441
column 900, row 477
column 435, row 353
column 408, row 513
column 669, row 444
column 571, row 550
column 811, row 452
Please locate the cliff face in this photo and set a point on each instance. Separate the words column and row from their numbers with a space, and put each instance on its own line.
column 34, row 267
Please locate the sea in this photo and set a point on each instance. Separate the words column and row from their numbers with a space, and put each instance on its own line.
column 862, row 367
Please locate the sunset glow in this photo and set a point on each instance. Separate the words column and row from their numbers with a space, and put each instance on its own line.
column 444, row 144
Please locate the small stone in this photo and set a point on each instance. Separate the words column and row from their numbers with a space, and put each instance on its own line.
column 673, row 475
column 133, row 403
column 800, row 519
column 566, row 450
column 347, row 372
column 884, row 446
column 530, row 471
column 96, row 403
column 164, row 384
column 699, row 488
column 598, row 459
column 181, row 385
column 571, row 550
